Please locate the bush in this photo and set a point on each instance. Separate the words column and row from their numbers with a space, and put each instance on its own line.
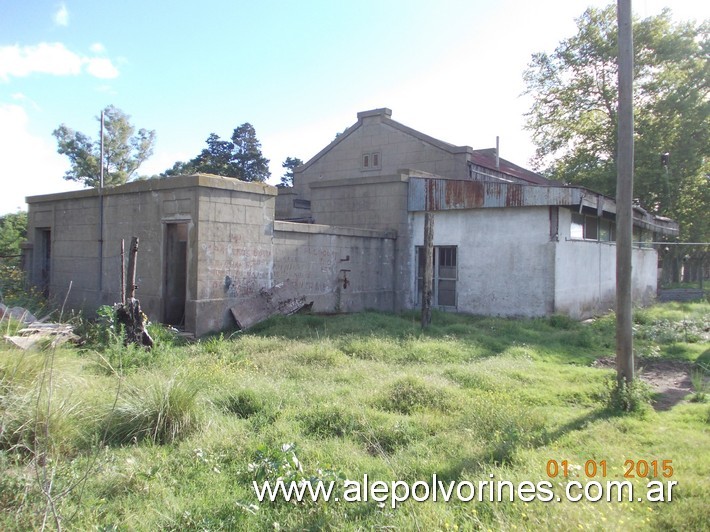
column 243, row 403
column 329, row 422
column 410, row 394
column 159, row 411
column 624, row 397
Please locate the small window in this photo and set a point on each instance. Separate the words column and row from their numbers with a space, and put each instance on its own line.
column 577, row 228
column 371, row 160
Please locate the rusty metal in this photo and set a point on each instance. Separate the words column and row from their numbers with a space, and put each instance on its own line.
column 430, row 194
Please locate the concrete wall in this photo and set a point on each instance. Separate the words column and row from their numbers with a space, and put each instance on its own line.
column 73, row 219
column 505, row 259
column 314, row 258
column 376, row 203
column 234, row 250
column 229, row 256
column 585, row 277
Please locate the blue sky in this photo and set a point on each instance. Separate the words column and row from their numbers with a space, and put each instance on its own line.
column 297, row 71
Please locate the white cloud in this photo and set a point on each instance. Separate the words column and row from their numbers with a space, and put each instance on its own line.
column 30, row 164
column 101, row 67
column 50, row 58
column 97, row 48
column 61, row 17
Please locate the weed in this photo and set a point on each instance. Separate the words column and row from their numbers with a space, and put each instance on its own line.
column 158, row 410
column 700, row 384
column 627, row 397
column 326, row 421
column 410, row 394
column 242, row 403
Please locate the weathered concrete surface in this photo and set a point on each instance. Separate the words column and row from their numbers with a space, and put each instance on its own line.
column 585, row 277
column 338, row 269
column 505, row 259
column 228, row 255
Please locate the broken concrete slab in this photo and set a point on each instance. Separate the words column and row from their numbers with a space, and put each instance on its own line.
column 281, row 299
column 46, row 333
column 16, row 313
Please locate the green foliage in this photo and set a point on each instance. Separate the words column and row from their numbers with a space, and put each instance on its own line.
column 519, row 394
column 289, row 164
column 326, row 421
column 573, row 117
column 239, row 157
column 272, row 464
column 410, row 394
column 154, row 409
column 622, row 396
column 243, row 403
column 699, row 378
column 124, row 150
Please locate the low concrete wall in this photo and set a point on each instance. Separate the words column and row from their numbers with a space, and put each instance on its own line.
column 339, row 269
column 585, row 277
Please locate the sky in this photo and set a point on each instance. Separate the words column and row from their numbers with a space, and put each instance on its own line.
column 299, row 72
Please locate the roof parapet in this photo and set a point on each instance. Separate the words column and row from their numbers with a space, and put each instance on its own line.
column 383, row 111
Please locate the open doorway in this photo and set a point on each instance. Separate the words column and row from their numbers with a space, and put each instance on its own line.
column 43, row 253
column 175, row 287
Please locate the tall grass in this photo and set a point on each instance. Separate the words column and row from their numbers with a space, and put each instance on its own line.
column 156, row 409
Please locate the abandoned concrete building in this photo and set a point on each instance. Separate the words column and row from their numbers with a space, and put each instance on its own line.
column 347, row 236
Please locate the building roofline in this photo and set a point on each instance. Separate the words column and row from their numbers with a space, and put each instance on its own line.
column 385, row 114
column 168, row 183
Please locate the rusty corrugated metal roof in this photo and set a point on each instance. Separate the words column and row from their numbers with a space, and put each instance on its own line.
column 428, row 194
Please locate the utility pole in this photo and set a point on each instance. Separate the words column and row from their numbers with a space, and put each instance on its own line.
column 624, row 195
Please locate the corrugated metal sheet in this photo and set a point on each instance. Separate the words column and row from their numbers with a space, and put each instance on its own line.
column 446, row 194
column 428, row 194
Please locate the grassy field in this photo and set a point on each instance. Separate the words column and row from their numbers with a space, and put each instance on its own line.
column 105, row 437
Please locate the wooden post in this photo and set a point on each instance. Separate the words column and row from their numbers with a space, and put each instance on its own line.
column 129, row 314
column 624, row 196
column 428, row 268
column 132, row 257
column 123, row 272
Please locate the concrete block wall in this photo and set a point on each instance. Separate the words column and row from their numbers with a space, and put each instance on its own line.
column 505, row 259
column 317, row 260
column 234, row 250
column 377, row 203
column 229, row 243
column 399, row 147
column 73, row 219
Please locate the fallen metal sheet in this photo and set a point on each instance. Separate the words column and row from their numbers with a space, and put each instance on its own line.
column 280, row 299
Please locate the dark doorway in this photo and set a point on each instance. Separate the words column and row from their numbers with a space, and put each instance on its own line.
column 44, row 256
column 175, row 274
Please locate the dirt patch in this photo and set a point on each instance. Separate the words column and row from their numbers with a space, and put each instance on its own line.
column 670, row 379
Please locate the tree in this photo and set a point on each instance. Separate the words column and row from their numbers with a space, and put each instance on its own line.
column 240, row 158
column 13, row 231
column 124, row 150
column 289, row 164
column 574, row 112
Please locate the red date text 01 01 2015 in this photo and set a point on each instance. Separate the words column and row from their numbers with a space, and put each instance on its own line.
column 598, row 468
